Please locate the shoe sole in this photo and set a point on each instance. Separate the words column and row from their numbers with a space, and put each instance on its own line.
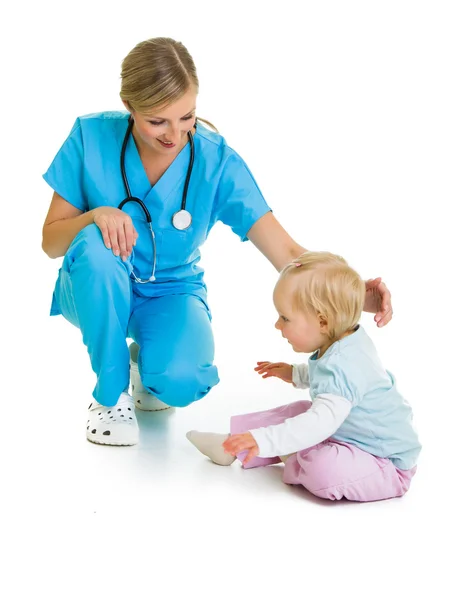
column 102, row 443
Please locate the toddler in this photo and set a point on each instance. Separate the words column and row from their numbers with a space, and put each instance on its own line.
column 355, row 439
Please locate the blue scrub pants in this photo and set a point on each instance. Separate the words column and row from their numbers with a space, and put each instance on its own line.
column 94, row 292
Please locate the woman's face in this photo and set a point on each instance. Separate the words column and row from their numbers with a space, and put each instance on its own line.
column 165, row 131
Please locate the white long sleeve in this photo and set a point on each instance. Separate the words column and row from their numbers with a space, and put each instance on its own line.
column 325, row 416
column 300, row 376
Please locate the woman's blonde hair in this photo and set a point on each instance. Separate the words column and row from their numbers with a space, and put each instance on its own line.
column 327, row 287
column 157, row 73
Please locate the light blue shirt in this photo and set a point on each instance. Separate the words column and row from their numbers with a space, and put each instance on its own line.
column 380, row 421
column 86, row 173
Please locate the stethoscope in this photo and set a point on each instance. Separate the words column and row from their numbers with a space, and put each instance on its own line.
column 181, row 220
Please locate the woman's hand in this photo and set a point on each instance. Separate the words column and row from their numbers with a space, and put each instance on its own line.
column 241, row 441
column 378, row 301
column 281, row 370
column 117, row 230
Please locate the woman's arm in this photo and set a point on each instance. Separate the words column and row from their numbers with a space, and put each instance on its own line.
column 268, row 235
column 64, row 221
column 62, row 224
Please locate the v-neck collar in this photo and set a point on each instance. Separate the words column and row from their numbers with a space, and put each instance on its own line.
column 137, row 177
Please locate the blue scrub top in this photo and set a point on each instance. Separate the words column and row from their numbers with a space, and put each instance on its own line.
column 86, row 173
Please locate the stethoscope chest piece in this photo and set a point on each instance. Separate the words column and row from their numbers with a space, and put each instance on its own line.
column 181, row 220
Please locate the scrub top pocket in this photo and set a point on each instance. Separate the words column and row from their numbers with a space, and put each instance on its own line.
column 175, row 247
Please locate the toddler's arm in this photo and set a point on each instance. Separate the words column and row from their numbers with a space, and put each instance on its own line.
column 325, row 416
column 300, row 376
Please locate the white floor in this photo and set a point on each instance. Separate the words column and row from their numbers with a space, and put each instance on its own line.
column 85, row 521
column 82, row 520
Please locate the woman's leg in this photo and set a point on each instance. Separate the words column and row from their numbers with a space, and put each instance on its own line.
column 335, row 470
column 176, row 348
column 93, row 292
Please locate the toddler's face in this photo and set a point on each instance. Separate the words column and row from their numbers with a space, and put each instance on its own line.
column 305, row 332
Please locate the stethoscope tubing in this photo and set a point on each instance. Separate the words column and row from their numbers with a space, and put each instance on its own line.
column 130, row 198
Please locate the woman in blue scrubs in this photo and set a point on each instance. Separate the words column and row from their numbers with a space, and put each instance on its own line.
column 168, row 318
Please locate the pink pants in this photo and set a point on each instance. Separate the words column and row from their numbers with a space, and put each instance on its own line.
column 331, row 469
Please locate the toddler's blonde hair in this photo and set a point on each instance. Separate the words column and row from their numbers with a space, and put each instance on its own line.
column 327, row 287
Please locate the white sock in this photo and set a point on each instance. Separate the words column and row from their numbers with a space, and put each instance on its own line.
column 210, row 444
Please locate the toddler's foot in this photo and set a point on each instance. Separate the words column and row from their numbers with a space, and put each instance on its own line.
column 210, row 444
column 113, row 425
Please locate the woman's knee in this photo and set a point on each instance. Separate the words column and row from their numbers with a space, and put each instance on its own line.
column 88, row 248
column 182, row 384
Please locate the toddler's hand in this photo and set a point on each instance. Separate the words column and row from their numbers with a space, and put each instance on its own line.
column 281, row 370
column 239, row 442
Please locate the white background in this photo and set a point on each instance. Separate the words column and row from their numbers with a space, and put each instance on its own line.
column 343, row 111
